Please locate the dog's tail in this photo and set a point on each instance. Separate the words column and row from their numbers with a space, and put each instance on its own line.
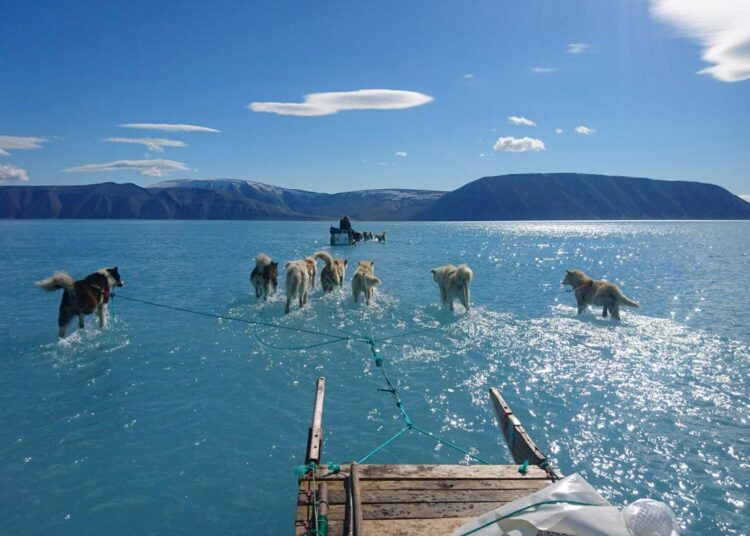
column 624, row 300
column 371, row 280
column 261, row 259
column 325, row 257
column 464, row 274
column 57, row 281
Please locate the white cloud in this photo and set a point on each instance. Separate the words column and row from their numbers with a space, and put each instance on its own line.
column 559, row 131
column 316, row 104
column 147, row 168
column 543, row 70
column 516, row 120
column 469, row 76
column 17, row 143
column 400, row 153
column 586, row 131
column 168, row 127
column 746, row 197
column 10, row 173
column 721, row 26
column 154, row 144
column 509, row 144
column 481, row 155
column 576, row 48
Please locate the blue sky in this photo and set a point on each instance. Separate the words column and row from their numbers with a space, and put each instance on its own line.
column 628, row 71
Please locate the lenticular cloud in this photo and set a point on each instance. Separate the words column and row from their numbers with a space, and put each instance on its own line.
column 316, row 104
column 721, row 26
column 147, row 168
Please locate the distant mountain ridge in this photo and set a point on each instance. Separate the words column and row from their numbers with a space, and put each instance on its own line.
column 539, row 196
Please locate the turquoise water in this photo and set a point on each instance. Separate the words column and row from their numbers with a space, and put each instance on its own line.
column 170, row 422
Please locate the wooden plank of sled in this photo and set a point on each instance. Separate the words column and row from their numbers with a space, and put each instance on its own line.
column 357, row 518
column 456, row 484
column 315, row 434
column 417, row 510
column 436, row 472
column 404, row 527
column 432, row 496
column 520, row 444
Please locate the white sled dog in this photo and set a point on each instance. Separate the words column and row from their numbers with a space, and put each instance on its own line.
column 264, row 276
column 592, row 292
column 454, row 283
column 333, row 273
column 364, row 280
column 297, row 282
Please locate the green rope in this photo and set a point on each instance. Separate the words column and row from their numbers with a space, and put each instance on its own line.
column 384, row 444
column 521, row 510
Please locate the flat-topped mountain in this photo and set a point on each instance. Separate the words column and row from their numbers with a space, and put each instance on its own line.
column 548, row 196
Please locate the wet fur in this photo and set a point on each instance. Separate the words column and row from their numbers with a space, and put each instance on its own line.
column 454, row 283
column 364, row 281
column 380, row 237
column 265, row 276
column 297, row 282
column 83, row 297
column 333, row 273
column 592, row 292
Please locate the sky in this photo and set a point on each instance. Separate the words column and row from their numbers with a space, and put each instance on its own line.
column 333, row 96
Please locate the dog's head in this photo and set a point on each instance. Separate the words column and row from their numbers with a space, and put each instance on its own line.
column 114, row 277
column 573, row 278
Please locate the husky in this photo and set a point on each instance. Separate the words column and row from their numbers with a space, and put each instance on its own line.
column 333, row 273
column 591, row 292
column 367, row 236
column 364, row 280
column 265, row 276
column 83, row 297
column 297, row 282
column 312, row 269
column 380, row 237
column 454, row 283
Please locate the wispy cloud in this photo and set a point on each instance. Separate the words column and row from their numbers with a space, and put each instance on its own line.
column 509, row 144
column 400, row 153
column 469, row 76
column 147, row 168
column 559, row 131
column 316, row 104
column 543, row 70
column 722, row 27
column 11, row 173
column 586, row 131
column 18, row 143
column 520, row 120
column 153, row 144
column 576, row 48
column 169, row 127
column 481, row 155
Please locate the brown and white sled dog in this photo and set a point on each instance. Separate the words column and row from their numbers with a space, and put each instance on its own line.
column 364, row 280
column 297, row 282
column 265, row 276
column 83, row 297
column 454, row 283
column 592, row 292
column 312, row 269
column 333, row 273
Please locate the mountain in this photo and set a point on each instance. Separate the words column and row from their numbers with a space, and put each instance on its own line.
column 552, row 196
column 575, row 196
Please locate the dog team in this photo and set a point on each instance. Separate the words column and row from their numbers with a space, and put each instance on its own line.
column 92, row 294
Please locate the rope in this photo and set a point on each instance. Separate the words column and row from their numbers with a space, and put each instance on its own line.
column 405, row 416
column 337, row 338
column 521, row 510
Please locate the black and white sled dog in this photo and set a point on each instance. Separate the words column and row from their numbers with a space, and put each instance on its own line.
column 83, row 297
column 265, row 276
column 454, row 282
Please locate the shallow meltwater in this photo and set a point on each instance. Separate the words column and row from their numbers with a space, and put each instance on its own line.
column 170, row 421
